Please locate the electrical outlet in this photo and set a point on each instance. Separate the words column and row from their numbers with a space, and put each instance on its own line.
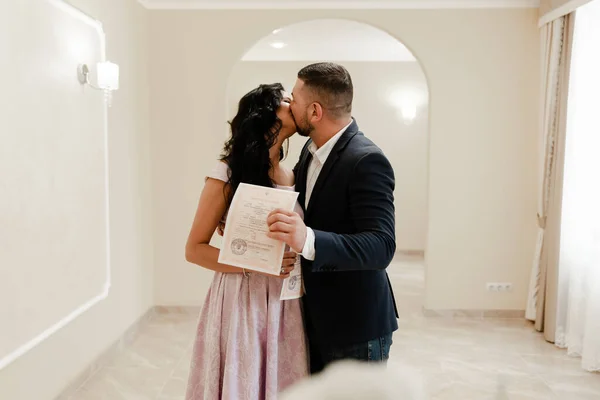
column 499, row 287
column 492, row 287
column 505, row 287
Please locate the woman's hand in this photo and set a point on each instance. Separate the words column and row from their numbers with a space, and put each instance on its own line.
column 287, row 266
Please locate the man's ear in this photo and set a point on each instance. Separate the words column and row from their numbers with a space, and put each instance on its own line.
column 317, row 112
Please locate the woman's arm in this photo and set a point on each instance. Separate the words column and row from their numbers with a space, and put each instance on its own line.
column 211, row 208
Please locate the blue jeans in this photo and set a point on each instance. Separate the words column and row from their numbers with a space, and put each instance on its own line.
column 373, row 351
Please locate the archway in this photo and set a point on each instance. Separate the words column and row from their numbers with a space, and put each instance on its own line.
column 391, row 106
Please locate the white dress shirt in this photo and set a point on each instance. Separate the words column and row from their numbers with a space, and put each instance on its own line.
column 319, row 157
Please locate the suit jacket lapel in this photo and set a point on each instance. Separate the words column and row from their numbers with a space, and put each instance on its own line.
column 331, row 160
column 305, row 159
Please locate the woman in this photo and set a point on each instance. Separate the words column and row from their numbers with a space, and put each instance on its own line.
column 249, row 345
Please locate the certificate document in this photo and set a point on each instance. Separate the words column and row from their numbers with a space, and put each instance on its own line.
column 292, row 286
column 245, row 241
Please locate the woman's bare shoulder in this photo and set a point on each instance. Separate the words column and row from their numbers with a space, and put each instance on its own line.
column 288, row 177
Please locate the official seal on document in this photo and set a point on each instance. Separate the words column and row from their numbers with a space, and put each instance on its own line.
column 239, row 247
column 293, row 282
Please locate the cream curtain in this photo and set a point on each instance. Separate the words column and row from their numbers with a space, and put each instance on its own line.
column 556, row 42
column 578, row 316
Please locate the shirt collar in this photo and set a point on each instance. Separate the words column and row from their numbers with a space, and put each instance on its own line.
column 323, row 152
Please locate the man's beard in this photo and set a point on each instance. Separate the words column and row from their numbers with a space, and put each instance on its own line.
column 304, row 131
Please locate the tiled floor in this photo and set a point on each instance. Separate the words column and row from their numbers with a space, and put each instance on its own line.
column 462, row 359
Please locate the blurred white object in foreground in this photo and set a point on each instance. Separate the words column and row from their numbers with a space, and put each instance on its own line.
column 350, row 380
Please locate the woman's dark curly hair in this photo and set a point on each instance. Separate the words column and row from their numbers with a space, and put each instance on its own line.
column 254, row 130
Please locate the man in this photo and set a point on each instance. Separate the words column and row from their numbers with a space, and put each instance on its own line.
column 347, row 238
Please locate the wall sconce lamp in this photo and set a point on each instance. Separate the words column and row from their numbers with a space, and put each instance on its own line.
column 107, row 78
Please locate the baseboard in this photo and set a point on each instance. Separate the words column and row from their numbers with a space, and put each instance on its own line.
column 409, row 253
column 188, row 310
column 475, row 314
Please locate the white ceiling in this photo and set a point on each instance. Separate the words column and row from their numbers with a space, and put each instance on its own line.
column 336, row 4
column 328, row 40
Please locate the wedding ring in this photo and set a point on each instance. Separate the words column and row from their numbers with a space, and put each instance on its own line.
column 282, row 270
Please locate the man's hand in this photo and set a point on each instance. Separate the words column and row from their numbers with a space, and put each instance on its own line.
column 288, row 227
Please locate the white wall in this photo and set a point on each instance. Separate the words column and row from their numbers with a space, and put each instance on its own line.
column 43, row 372
column 482, row 67
column 376, row 85
column 53, row 185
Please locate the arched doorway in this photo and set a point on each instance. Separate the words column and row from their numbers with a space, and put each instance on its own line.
column 391, row 106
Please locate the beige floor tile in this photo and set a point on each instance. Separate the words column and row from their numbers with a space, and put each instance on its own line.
column 124, row 383
column 556, row 364
column 182, row 369
column 460, row 391
column 159, row 346
column 174, row 389
column 574, row 386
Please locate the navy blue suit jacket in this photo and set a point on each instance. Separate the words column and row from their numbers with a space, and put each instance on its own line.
column 349, row 298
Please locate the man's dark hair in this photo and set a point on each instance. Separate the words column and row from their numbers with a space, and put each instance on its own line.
column 331, row 85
